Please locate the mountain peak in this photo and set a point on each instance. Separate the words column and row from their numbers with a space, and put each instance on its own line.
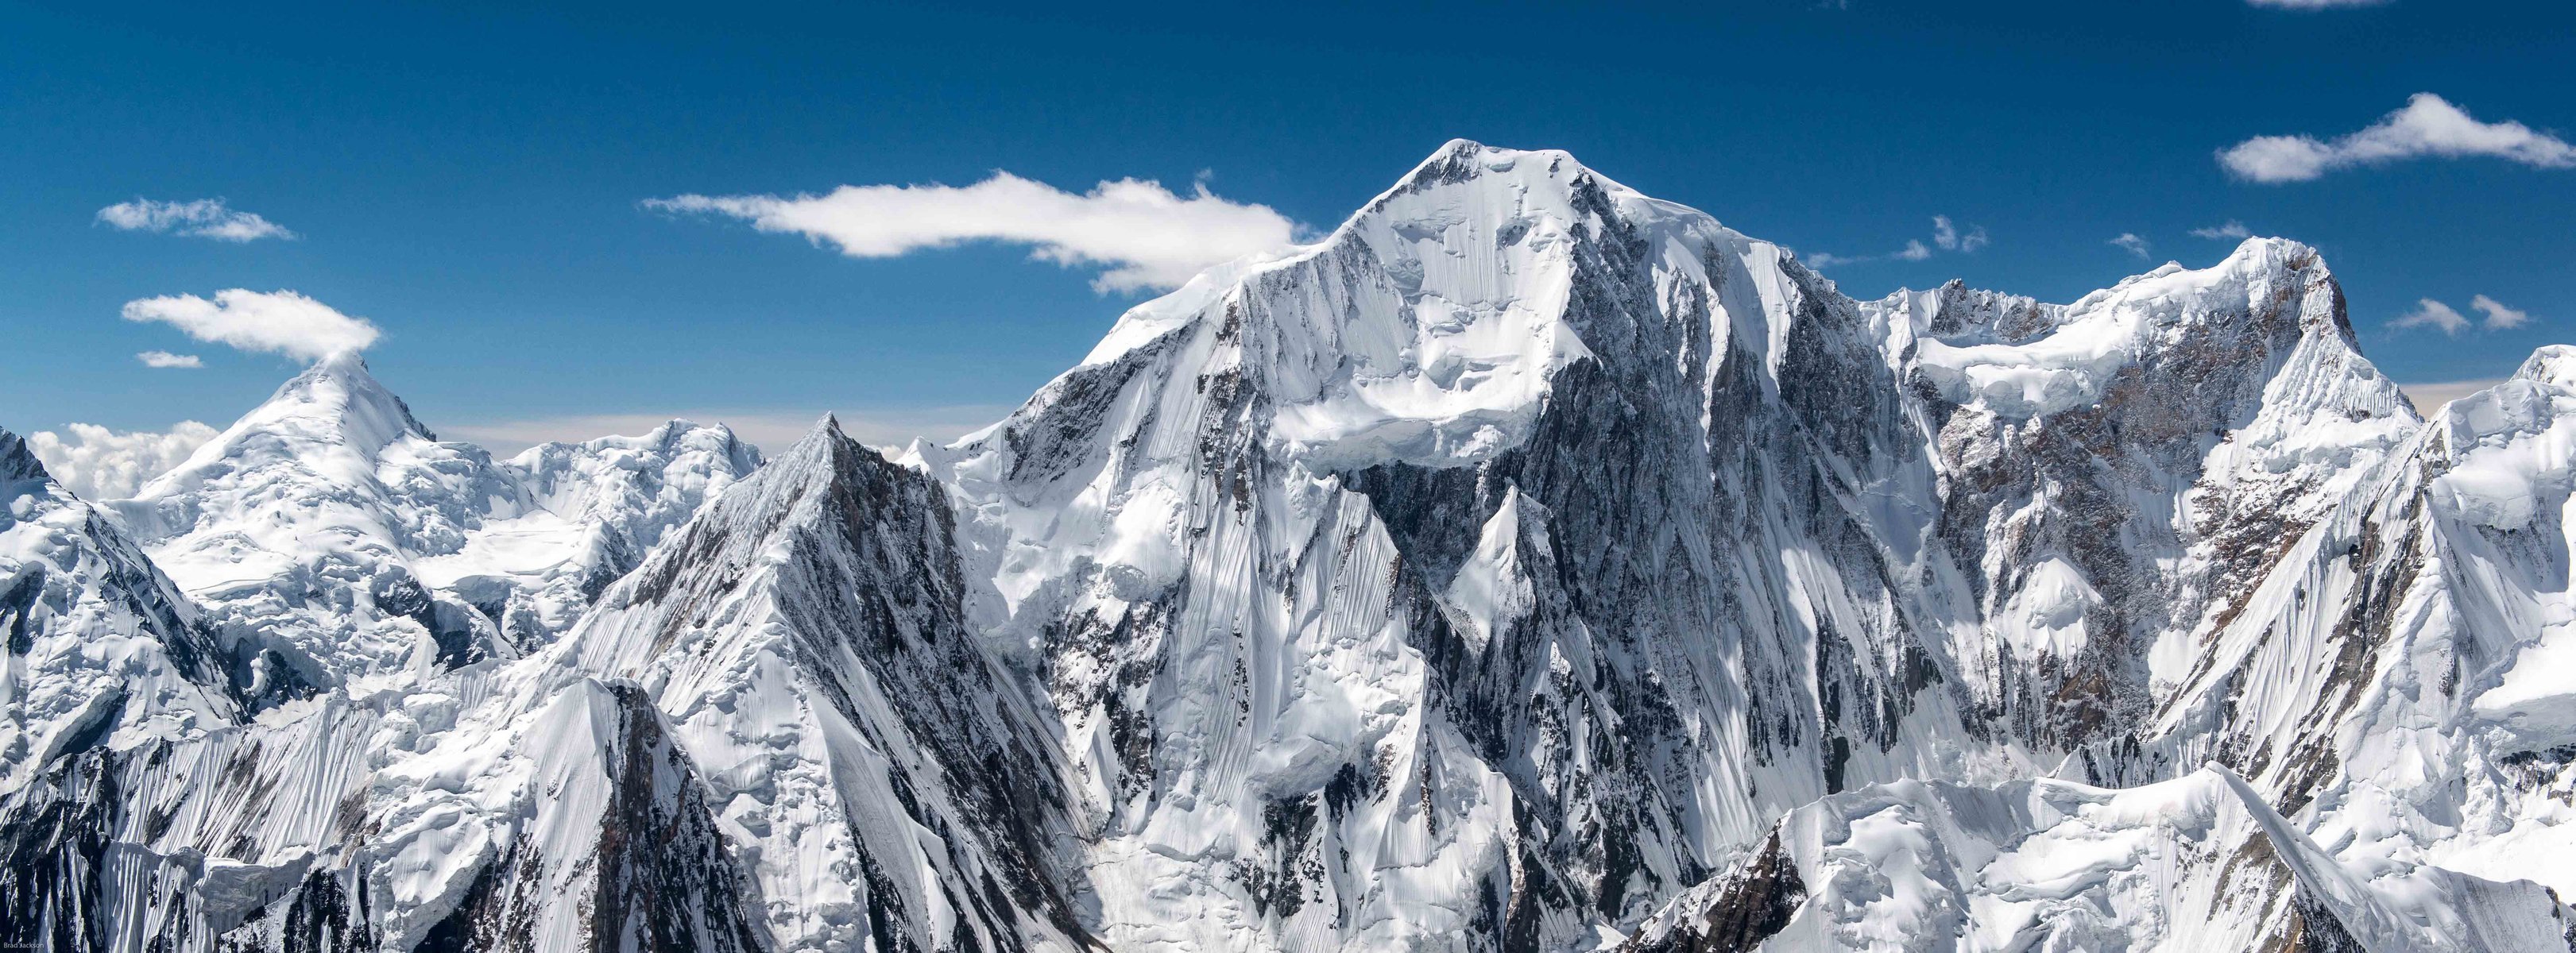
column 337, row 399
column 2553, row 364
column 17, row 462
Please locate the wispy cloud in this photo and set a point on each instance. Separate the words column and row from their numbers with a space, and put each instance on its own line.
column 1145, row 235
column 2233, row 230
column 1948, row 237
column 165, row 359
column 102, row 464
column 202, row 218
column 2428, row 126
column 1945, row 235
column 280, row 322
column 2499, row 317
column 2429, row 313
column 2132, row 243
column 771, row 430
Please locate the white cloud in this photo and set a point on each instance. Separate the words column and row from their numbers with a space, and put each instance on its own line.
column 2314, row 4
column 2432, row 314
column 1913, row 251
column 2428, row 126
column 277, row 321
column 770, row 430
column 101, row 464
column 203, row 218
column 1948, row 237
column 165, row 359
column 2131, row 243
column 2499, row 317
column 1147, row 236
column 2232, row 230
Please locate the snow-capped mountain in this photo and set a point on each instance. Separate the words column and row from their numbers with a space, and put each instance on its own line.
column 1527, row 565
column 330, row 525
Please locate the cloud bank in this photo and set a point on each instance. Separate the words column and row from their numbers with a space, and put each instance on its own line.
column 203, row 218
column 101, row 464
column 1145, row 235
column 280, row 322
column 2428, row 126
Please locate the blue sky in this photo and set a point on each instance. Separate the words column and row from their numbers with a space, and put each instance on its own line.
column 470, row 179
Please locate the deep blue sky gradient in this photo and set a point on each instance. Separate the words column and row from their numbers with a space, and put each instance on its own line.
column 467, row 176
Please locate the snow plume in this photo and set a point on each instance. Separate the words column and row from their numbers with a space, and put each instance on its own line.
column 2132, row 243
column 1945, row 235
column 2433, row 314
column 1146, row 235
column 2232, row 231
column 203, row 218
column 2499, row 317
column 101, row 464
column 165, row 359
column 281, row 322
column 2428, row 126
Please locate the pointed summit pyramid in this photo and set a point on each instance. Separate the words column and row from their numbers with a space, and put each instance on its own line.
column 814, row 615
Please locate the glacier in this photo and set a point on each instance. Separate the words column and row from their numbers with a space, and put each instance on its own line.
column 1527, row 564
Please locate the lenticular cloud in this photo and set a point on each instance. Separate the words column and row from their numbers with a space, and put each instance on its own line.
column 2428, row 126
column 1146, row 235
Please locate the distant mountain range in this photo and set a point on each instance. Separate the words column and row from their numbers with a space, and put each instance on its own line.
column 1528, row 565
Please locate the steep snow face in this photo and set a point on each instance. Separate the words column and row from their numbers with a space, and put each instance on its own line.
column 2195, row 863
column 2402, row 687
column 883, row 783
column 329, row 526
column 2118, row 473
column 1311, row 704
column 101, row 648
